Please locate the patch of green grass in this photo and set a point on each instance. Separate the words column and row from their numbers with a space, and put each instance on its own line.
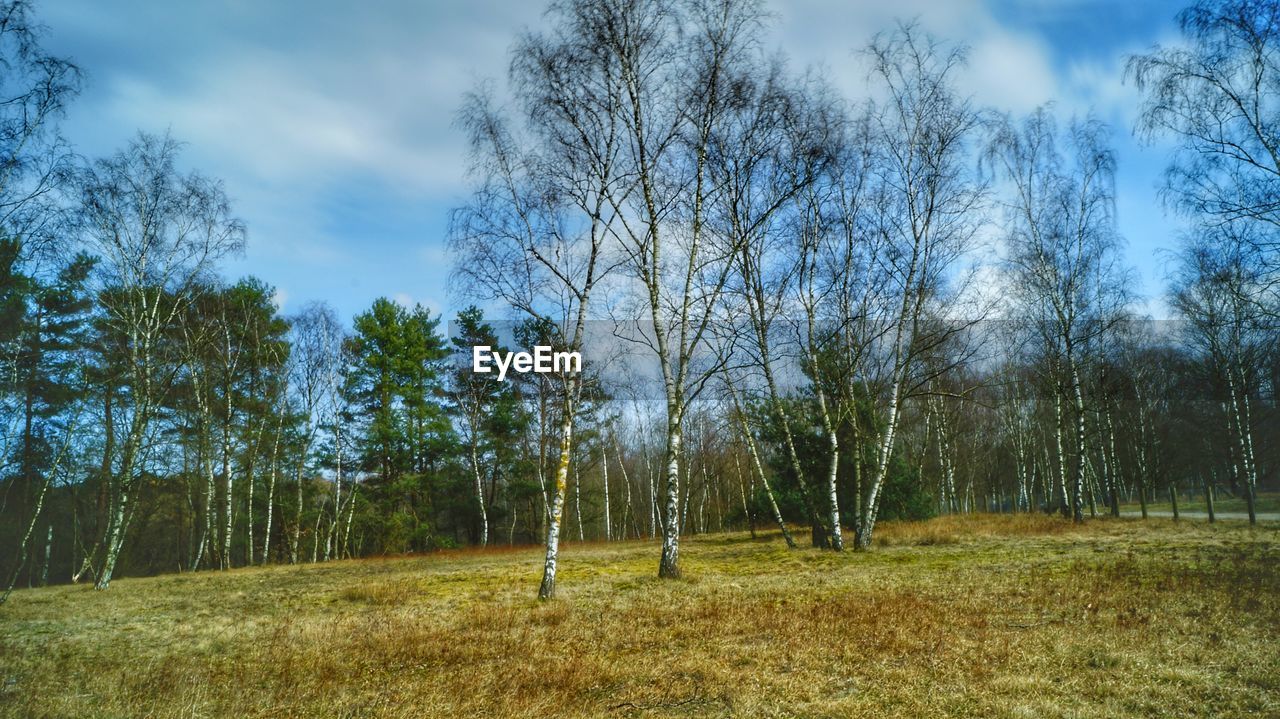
column 1026, row 616
column 1266, row 502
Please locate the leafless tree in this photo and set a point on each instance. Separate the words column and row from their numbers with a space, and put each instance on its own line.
column 1218, row 97
column 770, row 178
column 1064, row 259
column 927, row 211
column 35, row 162
column 1213, row 278
column 535, row 232
column 158, row 233
column 316, row 377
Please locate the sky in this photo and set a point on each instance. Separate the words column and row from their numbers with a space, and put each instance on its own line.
column 332, row 123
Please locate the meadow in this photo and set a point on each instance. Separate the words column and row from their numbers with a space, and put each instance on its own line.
column 992, row 616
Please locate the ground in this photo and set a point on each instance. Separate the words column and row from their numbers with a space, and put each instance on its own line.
column 990, row 616
column 1266, row 506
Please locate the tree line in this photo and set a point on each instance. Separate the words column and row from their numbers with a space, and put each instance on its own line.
column 830, row 343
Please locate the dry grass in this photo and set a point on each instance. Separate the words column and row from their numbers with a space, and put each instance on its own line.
column 989, row 616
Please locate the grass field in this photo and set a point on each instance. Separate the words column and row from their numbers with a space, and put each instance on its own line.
column 990, row 616
column 1266, row 502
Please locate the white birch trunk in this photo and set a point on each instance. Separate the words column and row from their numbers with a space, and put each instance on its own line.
column 669, row 566
column 548, row 588
column 604, row 470
column 484, row 513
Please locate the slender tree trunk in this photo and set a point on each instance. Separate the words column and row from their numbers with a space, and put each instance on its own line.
column 115, row 538
column 271, row 489
column 351, row 514
column 1244, row 438
column 484, row 513
column 25, row 543
column 882, row 460
column 626, row 484
column 764, row 482
column 577, row 502
column 296, row 538
column 1060, row 429
column 655, row 516
column 833, row 501
column 742, row 488
column 669, row 566
column 315, row 537
column 228, row 484
column 604, row 471
column 48, row 554
column 1208, row 499
column 548, row 588
column 1077, row 508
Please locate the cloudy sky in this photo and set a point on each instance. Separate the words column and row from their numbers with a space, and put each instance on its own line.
column 331, row 123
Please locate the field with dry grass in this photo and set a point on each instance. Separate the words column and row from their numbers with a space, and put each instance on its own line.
column 986, row 616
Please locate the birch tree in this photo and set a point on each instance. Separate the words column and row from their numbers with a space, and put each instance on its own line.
column 536, row 230
column 1213, row 280
column 157, row 232
column 1064, row 258
column 1217, row 96
column 688, row 71
column 929, row 208
column 35, row 163
column 792, row 142
column 315, row 376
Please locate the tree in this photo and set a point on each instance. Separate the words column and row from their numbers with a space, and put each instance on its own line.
column 1064, row 260
column 927, row 212
column 49, row 339
column 158, row 233
column 534, row 233
column 317, row 378
column 1219, row 98
column 397, row 383
column 790, row 143
column 1213, row 279
column 35, row 163
column 40, row 273
column 490, row 412
column 688, row 70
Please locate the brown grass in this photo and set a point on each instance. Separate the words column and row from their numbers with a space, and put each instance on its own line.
column 961, row 616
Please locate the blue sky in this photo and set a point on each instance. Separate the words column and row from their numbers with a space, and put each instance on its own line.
column 331, row 123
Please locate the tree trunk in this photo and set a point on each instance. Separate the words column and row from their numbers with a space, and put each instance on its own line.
column 1060, row 429
column 669, row 566
column 271, row 489
column 48, row 553
column 1208, row 499
column 1077, row 392
column 882, row 460
column 115, row 538
column 604, row 471
column 577, row 503
column 484, row 513
column 548, row 588
column 764, row 479
column 228, row 484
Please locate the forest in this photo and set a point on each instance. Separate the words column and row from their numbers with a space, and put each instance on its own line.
column 799, row 313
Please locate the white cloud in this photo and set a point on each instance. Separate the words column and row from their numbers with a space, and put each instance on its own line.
column 1009, row 71
column 279, row 121
column 1006, row 69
